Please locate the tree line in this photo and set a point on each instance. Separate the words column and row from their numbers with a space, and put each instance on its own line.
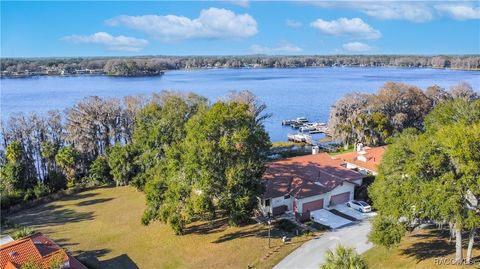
column 46, row 153
column 373, row 118
column 194, row 160
column 149, row 65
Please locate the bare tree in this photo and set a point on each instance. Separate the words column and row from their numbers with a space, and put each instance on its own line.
column 463, row 90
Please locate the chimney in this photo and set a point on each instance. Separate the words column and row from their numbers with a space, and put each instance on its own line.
column 359, row 147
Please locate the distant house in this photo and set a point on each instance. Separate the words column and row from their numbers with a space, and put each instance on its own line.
column 307, row 183
column 363, row 159
column 36, row 248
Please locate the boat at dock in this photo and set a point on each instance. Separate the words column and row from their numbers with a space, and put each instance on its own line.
column 314, row 128
column 301, row 138
column 295, row 122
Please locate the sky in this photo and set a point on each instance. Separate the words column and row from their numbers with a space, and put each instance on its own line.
column 122, row 28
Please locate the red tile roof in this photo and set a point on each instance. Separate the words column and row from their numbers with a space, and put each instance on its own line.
column 373, row 157
column 306, row 176
column 36, row 248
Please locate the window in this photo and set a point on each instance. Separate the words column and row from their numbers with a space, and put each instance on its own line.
column 267, row 202
column 286, row 197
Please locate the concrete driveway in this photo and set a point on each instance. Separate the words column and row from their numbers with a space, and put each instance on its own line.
column 329, row 219
column 311, row 254
column 351, row 212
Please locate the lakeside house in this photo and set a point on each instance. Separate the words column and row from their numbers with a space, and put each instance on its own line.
column 303, row 184
column 364, row 159
column 35, row 248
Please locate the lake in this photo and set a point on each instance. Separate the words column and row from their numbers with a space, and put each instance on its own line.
column 288, row 93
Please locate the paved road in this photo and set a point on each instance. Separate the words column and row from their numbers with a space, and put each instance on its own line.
column 311, row 254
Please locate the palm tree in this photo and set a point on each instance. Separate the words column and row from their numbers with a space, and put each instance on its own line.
column 343, row 258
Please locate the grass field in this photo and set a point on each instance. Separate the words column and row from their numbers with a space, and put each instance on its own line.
column 418, row 251
column 102, row 228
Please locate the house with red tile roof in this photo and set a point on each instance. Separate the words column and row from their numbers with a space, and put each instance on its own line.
column 36, row 248
column 307, row 183
column 363, row 159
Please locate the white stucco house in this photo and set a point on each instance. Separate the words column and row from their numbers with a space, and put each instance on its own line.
column 364, row 159
column 303, row 184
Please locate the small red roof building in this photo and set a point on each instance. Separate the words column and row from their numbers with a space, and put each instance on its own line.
column 364, row 159
column 36, row 248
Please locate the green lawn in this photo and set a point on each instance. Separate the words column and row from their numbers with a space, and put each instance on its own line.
column 102, row 228
column 418, row 250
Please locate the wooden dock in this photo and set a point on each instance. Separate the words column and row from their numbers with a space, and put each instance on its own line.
column 301, row 138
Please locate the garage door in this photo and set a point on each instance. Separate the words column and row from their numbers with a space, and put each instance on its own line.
column 314, row 205
column 340, row 198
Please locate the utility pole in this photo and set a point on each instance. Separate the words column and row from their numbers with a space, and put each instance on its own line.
column 269, row 228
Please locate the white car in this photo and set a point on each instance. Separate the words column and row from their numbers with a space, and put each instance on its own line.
column 360, row 206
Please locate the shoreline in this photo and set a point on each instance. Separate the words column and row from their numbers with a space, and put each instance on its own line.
column 237, row 68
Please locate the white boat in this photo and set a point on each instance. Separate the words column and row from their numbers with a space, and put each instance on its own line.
column 301, row 119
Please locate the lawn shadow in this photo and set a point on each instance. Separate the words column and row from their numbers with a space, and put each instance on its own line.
column 94, row 201
column 214, row 226
column 91, row 259
column 45, row 216
column 65, row 243
column 256, row 230
column 78, row 196
column 432, row 244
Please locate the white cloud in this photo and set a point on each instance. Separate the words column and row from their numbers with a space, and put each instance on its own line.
column 284, row 48
column 460, row 12
column 119, row 43
column 347, row 27
column 293, row 23
column 356, row 47
column 213, row 23
column 411, row 11
column 415, row 11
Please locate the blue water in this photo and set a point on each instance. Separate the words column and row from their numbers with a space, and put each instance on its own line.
column 288, row 93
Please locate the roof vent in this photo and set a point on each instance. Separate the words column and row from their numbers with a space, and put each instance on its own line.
column 13, row 254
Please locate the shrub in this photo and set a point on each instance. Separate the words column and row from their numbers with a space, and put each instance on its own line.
column 99, row 171
column 386, row 232
column 307, row 233
column 285, row 225
column 56, row 180
column 29, row 195
column 317, row 225
column 41, row 190
column 11, row 198
column 22, row 232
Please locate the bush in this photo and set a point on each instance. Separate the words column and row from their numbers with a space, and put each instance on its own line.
column 386, row 232
column 41, row 190
column 99, row 171
column 317, row 225
column 56, row 180
column 29, row 195
column 9, row 199
column 285, row 225
column 307, row 233
column 22, row 232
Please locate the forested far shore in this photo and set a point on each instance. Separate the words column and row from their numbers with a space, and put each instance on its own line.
column 155, row 65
